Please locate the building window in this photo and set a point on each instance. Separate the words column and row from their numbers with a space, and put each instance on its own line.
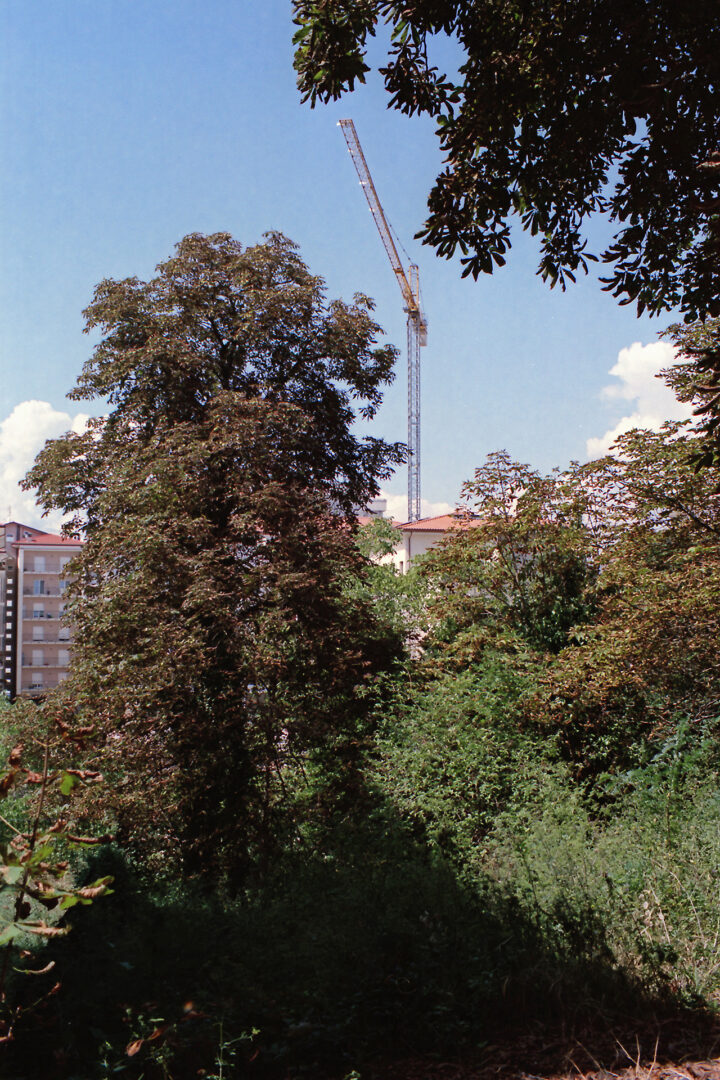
column 39, row 564
column 38, row 612
column 39, row 587
column 38, row 657
column 63, row 657
column 38, row 633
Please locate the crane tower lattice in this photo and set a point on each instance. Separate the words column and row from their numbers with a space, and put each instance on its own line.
column 416, row 321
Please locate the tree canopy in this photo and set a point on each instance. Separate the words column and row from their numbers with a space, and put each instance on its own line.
column 219, row 318
column 559, row 110
column 607, row 577
column 518, row 566
column 217, row 644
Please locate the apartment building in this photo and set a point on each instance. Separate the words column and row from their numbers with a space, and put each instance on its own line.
column 37, row 642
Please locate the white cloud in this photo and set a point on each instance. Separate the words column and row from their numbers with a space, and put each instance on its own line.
column 636, row 369
column 397, row 507
column 22, row 435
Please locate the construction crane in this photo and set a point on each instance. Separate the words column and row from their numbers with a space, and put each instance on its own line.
column 416, row 321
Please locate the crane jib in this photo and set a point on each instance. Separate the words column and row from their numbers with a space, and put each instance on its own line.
column 416, row 321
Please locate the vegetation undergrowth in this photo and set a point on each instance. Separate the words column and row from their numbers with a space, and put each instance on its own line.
column 402, row 935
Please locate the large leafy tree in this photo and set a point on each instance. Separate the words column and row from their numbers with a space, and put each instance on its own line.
column 602, row 586
column 217, row 642
column 650, row 655
column 559, row 110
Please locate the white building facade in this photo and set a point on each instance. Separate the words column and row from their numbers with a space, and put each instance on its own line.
column 417, row 537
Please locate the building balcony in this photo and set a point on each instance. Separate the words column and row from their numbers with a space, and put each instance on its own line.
column 44, row 667
column 50, row 568
column 39, row 642
column 31, row 666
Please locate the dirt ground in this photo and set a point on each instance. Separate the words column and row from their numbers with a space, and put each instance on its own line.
column 673, row 1050
column 640, row 1069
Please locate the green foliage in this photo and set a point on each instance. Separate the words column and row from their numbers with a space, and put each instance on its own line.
column 343, row 959
column 608, row 575
column 398, row 600
column 650, row 652
column 644, row 869
column 559, row 111
column 518, row 563
column 378, row 538
column 581, row 781
column 697, row 380
column 36, row 884
column 626, row 872
column 452, row 755
column 477, row 893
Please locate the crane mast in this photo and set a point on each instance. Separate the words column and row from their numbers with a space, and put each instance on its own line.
column 416, row 321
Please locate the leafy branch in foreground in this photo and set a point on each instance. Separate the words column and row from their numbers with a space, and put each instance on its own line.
column 559, row 111
column 35, row 874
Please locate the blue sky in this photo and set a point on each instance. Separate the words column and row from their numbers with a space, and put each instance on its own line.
column 127, row 125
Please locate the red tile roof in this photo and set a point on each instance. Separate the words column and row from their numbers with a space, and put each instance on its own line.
column 442, row 523
column 47, row 540
column 367, row 519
